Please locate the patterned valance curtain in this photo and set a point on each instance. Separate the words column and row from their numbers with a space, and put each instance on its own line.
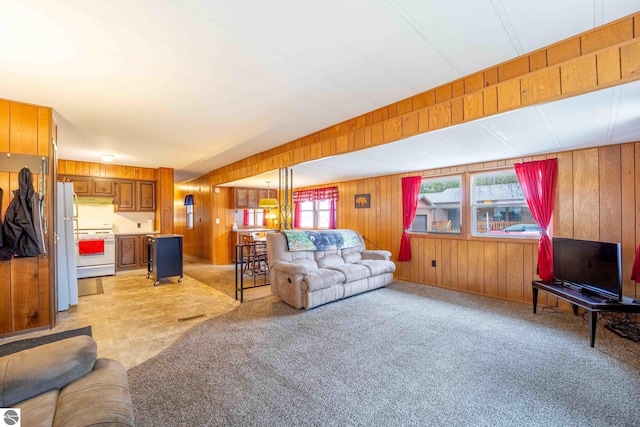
column 315, row 194
column 538, row 182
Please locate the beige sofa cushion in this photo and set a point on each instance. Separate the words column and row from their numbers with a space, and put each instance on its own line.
column 378, row 267
column 329, row 260
column 351, row 257
column 39, row 410
column 37, row 370
column 352, row 272
column 321, row 279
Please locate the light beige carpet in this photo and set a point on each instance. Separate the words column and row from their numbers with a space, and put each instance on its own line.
column 403, row 355
column 223, row 279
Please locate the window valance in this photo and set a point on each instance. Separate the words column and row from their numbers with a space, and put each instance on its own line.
column 326, row 193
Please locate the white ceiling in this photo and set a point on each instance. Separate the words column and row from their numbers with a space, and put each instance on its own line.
column 196, row 84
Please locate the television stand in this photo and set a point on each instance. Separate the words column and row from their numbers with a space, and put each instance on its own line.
column 590, row 301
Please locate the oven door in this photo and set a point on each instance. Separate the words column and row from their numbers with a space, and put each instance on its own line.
column 92, row 261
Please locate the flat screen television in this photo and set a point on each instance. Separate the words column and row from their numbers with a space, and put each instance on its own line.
column 591, row 266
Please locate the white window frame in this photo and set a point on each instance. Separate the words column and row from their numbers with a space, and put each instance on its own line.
column 189, row 217
column 439, row 219
column 315, row 208
column 506, row 197
column 255, row 217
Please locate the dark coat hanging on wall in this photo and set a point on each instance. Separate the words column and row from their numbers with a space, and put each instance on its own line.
column 22, row 229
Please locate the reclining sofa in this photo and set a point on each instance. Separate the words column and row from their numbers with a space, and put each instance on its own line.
column 311, row 268
column 63, row 383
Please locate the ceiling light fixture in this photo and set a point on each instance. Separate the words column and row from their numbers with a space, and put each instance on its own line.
column 268, row 202
column 107, row 157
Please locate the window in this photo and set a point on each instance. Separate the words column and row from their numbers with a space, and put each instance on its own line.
column 498, row 206
column 439, row 205
column 315, row 208
column 315, row 214
column 189, row 217
column 188, row 204
column 250, row 217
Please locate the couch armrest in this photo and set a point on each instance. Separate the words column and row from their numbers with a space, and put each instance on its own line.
column 100, row 398
column 291, row 268
column 31, row 372
column 288, row 277
column 376, row 254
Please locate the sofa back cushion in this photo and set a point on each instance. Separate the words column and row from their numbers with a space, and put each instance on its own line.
column 351, row 255
column 47, row 367
column 325, row 261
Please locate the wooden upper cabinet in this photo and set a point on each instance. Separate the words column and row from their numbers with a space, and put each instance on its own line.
column 103, row 187
column 85, row 186
column 248, row 198
column 241, row 198
column 146, row 197
column 132, row 196
column 125, row 196
column 81, row 185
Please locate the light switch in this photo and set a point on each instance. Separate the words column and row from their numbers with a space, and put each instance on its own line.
column 217, row 220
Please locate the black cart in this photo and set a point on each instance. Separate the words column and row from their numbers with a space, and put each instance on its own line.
column 165, row 257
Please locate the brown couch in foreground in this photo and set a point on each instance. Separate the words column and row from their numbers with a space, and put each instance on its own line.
column 63, row 383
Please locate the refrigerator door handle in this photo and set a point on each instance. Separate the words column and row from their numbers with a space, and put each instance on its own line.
column 75, row 216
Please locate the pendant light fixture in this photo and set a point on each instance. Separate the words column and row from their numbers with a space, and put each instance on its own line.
column 268, row 202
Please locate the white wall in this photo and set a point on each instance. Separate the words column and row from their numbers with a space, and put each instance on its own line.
column 123, row 222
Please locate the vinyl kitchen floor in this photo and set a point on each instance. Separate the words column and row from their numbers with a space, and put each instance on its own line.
column 133, row 320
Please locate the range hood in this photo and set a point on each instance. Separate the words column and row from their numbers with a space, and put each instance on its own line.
column 95, row 201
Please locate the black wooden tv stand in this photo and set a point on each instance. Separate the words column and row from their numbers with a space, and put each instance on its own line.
column 591, row 302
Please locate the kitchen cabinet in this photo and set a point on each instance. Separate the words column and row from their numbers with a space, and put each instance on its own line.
column 248, row 198
column 85, row 186
column 131, row 251
column 135, row 196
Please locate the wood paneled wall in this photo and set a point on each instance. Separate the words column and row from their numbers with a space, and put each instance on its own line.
column 104, row 170
column 164, row 207
column 597, row 198
column 209, row 239
column 26, row 288
column 194, row 239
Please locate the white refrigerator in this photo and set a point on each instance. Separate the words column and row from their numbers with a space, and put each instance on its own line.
column 66, row 225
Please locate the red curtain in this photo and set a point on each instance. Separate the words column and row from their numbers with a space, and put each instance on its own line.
column 635, row 270
column 410, row 191
column 296, row 214
column 245, row 217
column 332, row 214
column 538, row 182
column 264, row 217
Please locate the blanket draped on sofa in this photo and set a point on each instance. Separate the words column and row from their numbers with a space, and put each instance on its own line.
column 321, row 240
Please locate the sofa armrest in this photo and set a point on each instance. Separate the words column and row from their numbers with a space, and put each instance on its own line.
column 291, row 268
column 376, row 254
column 100, row 398
column 288, row 277
column 31, row 372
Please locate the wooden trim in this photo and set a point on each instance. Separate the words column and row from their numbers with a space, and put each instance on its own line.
column 584, row 63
